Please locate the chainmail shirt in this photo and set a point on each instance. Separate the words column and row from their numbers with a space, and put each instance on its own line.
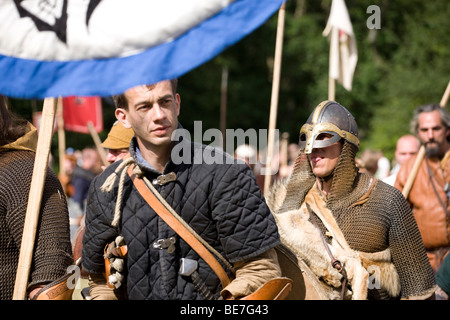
column 372, row 215
column 52, row 252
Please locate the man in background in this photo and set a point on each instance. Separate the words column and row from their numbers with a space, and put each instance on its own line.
column 407, row 147
column 84, row 173
column 118, row 142
column 429, row 195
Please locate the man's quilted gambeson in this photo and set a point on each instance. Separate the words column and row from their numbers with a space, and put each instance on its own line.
column 221, row 202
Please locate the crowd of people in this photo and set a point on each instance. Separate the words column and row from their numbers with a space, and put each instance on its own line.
column 338, row 209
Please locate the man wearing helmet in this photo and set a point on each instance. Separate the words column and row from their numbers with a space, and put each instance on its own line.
column 359, row 237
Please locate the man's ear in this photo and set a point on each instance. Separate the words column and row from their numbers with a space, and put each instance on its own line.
column 121, row 115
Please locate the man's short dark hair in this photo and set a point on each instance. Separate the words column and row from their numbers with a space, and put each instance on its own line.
column 120, row 100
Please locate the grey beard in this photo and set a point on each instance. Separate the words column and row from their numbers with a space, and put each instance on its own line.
column 432, row 152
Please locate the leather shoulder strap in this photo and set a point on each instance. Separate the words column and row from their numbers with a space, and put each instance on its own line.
column 181, row 230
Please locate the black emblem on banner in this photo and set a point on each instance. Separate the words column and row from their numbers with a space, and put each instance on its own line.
column 50, row 15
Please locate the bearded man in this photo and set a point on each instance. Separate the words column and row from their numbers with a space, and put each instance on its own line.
column 356, row 233
column 429, row 195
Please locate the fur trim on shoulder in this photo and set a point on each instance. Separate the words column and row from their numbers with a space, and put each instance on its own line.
column 299, row 235
column 277, row 194
column 383, row 273
column 364, row 270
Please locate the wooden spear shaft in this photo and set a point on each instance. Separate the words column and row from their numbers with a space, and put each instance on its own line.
column 35, row 199
column 421, row 154
column 223, row 105
column 98, row 143
column 61, row 137
column 274, row 99
column 445, row 97
column 334, row 43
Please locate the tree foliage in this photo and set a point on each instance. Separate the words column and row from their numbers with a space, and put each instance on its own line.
column 400, row 66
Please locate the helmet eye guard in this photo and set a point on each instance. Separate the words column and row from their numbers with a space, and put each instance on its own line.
column 322, row 135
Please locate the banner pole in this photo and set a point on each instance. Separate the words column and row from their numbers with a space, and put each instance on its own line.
column 35, row 199
column 274, row 100
column 223, row 105
column 334, row 45
column 331, row 89
column 61, row 137
column 97, row 142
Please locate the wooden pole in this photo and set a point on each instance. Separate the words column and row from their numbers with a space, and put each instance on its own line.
column 35, row 199
column 331, row 89
column 421, row 154
column 61, row 137
column 333, row 61
column 274, row 99
column 98, row 143
column 284, row 155
column 445, row 97
column 223, row 105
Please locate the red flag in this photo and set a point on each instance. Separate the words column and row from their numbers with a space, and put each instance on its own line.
column 79, row 111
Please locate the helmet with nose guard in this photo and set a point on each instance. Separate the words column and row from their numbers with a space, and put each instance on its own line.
column 331, row 119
